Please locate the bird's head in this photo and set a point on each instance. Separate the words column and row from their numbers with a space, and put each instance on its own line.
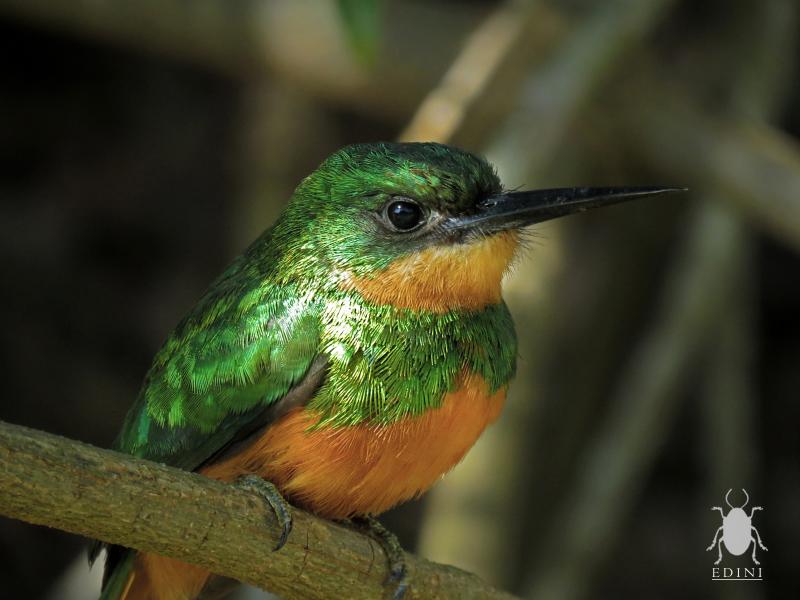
column 419, row 225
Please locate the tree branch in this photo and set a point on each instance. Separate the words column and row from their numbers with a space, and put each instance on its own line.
column 49, row 480
column 481, row 84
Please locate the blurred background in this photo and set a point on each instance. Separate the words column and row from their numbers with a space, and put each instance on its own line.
column 143, row 145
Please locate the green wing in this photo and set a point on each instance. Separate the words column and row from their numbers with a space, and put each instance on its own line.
column 241, row 349
column 245, row 346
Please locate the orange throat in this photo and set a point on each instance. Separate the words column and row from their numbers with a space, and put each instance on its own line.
column 441, row 278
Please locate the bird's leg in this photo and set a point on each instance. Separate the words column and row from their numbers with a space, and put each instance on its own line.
column 754, row 509
column 391, row 546
column 271, row 495
column 720, row 510
column 758, row 537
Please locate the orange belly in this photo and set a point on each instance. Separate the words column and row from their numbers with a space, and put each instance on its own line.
column 340, row 472
column 345, row 471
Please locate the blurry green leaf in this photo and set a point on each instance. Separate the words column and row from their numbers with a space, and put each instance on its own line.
column 361, row 21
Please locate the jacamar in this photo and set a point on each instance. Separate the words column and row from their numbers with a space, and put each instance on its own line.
column 353, row 353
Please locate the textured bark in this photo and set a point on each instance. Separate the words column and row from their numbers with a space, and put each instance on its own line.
column 49, row 480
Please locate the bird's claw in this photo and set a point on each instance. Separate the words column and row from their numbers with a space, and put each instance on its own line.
column 397, row 576
column 271, row 495
column 398, row 571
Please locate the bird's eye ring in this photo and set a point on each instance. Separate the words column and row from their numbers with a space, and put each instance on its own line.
column 404, row 214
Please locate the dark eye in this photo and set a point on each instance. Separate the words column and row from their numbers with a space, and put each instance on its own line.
column 404, row 215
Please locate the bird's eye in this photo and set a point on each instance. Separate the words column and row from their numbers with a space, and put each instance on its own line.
column 404, row 215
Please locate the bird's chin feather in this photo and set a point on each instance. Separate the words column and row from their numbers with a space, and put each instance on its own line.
column 442, row 277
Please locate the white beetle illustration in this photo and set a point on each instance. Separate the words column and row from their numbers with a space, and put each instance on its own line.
column 737, row 530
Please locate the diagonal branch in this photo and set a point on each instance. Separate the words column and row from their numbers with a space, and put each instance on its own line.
column 480, row 85
column 49, row 480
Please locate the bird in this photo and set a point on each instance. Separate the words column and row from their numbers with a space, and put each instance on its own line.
column 351, row 355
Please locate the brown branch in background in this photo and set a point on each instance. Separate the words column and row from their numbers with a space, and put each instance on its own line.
column 555, row 92
column 52, row 481
column 728, row 390
column 501, row 42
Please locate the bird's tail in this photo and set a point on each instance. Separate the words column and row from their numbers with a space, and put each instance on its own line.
column 132, row 575
column 119, row 569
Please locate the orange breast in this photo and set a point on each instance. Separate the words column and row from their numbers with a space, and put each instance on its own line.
column 346, row 471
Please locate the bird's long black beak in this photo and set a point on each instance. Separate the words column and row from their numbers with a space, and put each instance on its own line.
column 518, row 209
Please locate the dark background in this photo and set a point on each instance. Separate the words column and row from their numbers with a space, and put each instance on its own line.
column 660, row 342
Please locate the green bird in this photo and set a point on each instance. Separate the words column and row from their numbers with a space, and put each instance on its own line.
column 352, row 354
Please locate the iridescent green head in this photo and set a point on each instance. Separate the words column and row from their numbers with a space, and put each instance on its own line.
column 369, row 204
column 375, row 210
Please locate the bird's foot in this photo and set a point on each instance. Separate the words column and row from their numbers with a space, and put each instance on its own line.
column 394, row 553
column 271, row 495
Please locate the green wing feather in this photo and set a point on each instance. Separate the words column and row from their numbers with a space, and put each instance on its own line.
column 245, row 344
column 242, row 348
